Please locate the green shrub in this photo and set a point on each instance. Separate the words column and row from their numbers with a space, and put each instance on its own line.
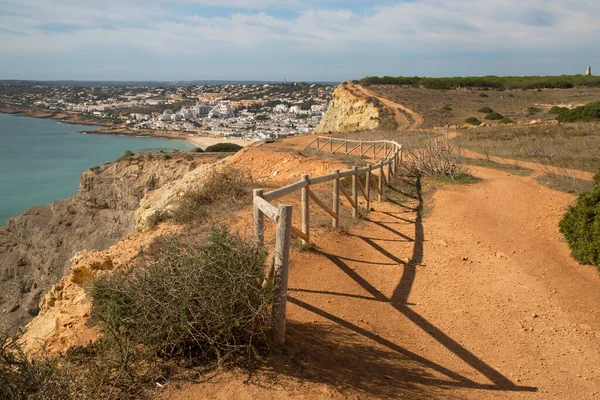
column 483, row 95
column 494, row 116
column 197, row 150
column 557, row 110
column 506, row 121
column 126, row 155
column 485, row 110
column 201, row 300
column 587, row 113
column 446, row 108
column 581, row 226
column 228, row 188
column 224, row 147
column 533, row 110
column 473, row 121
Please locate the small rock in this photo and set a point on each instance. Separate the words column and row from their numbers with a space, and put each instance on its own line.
column 274, row 173
column 534, row 315
column 585, row 327
column 465, row 258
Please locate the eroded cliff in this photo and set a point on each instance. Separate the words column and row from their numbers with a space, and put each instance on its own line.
column 350, row 111
column 36, row 247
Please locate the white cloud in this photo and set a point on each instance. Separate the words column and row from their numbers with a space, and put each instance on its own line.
column 30, row 27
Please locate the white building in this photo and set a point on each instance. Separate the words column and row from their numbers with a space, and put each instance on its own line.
column 222, row 110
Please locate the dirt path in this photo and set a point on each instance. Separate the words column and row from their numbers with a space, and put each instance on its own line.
column 478, row 298
column 396, row 107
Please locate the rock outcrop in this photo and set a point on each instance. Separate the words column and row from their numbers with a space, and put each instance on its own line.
column 349, row 111
column 36, row 247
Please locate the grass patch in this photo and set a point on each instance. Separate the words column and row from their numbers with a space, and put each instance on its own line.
column 565, row 183
column 485, row 110
column 509, row 168
column 229, row 189
column 573, row 147
column 533, row 110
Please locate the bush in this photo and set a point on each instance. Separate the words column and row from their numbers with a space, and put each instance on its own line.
column 229, row 188
column 485, row 110
column 201, row 300
column 483, row 95
column 494, row 116
column 22, row 377
column 126, row 155
column 587, row 113
column 473, row 121
column 557, row 110
column 197, row 150
column 533, row 110
column 224, row 147
column 506, row 121
column 435, row 157
column 581, row 226
column 446, row 108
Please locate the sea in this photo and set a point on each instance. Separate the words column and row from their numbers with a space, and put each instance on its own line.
column 41, row 160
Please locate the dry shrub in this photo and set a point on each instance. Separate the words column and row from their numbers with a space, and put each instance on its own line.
column 194, row 299
column 229, row 188
column 435, row 156
column 22, row 377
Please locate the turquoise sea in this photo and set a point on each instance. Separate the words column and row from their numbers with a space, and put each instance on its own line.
column 41, row 160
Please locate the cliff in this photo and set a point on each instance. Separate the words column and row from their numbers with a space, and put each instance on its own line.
column 350, row 111
column 36, row 247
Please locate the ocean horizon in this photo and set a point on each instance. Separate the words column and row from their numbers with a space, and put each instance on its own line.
column 41, row 160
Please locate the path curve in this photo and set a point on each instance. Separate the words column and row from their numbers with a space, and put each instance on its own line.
column 418, row 119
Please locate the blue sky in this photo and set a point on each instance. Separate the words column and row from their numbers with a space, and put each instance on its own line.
column 330, row 40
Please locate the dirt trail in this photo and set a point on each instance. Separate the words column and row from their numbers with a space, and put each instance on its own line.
column 396, row 107
column 539, row 168
column 475, row 297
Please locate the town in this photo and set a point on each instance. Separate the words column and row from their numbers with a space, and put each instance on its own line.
column 254, row 111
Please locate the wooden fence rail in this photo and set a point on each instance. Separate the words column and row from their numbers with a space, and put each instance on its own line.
column 391, row 155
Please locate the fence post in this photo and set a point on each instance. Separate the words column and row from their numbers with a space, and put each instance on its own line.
column 305, row 210
column 361, row 149
column 346, row 143
column 331, row 145
column 336, row 200
column 368, row 187
column 380, row 195
column 282, row 258
column 389, row 174
column 384, row 150
column 396, row 163
column 355, row 191
column 259, row 221
column 318, row 144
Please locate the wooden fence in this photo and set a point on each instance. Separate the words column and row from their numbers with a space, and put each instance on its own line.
column 377, row 176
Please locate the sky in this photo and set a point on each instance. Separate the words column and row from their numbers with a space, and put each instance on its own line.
column 297, row 40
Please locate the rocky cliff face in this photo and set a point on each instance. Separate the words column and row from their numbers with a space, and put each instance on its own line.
column 350, row 111
column 36, row 247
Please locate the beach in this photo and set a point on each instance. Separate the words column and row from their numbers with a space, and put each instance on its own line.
column 205, row 141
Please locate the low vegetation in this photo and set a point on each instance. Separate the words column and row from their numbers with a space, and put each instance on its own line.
column 587, row 113
column 564, row 182
column 485, row 110
column 581, row 226
column 473, row 121
column 434, row 156
column 228, row 189
column 488, row 82
column 494, row 116
column 184, row 307
column 224, row 148
column 533, row 110
column 573, row 146
column 126, row 155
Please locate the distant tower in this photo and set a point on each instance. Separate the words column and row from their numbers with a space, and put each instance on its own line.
column 588, row 72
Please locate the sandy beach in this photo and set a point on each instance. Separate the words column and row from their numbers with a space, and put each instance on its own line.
column 205, row 141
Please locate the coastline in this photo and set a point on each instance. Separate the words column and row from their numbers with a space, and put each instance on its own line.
column 200, row 140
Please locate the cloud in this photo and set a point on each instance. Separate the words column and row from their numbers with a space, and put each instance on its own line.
column 319, row 30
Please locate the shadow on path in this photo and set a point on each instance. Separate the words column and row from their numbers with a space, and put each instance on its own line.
column 399, row 301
